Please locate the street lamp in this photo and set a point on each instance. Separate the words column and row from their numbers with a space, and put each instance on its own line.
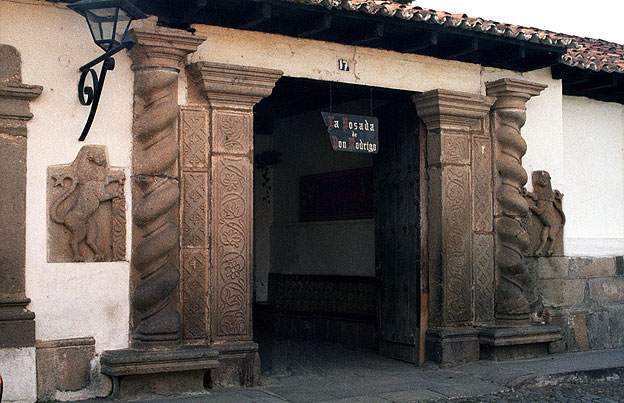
column 108, row 21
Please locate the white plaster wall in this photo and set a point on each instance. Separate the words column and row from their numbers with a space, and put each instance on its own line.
column 18, row 370
column 593, row 148
column 319, row 60
column 70, row 299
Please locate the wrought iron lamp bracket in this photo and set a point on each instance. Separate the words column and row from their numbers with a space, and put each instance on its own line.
column 90, row 94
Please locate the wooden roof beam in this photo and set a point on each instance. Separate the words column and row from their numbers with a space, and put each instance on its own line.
column 256, row 17
column 598, row 82
column 462, row 49
column 317, row 26
column 376, row 34
column 424, row 42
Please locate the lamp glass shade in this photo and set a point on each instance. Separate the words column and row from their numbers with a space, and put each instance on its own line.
column 108, row 19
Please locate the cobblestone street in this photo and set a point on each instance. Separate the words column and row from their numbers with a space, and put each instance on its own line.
column 586, row 391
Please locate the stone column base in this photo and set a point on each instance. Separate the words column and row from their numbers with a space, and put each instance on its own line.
column 516, row 343
column 450, row 346
column 239, row 365
column 17, row 324
column 147, row 373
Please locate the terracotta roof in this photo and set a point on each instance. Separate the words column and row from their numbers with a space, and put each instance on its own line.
column 586, row 53
column 596, row 55
column 443, row 18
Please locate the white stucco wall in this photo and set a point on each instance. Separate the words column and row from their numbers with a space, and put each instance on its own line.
column 593, row 181
column 69, row 299
column 319, row 60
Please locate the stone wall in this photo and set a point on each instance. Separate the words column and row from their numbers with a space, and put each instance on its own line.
column 582, row 295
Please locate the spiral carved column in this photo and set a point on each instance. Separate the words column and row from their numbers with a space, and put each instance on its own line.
column 508, row 117
column 155, row 186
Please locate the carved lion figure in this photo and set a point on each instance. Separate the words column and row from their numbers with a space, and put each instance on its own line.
column 548, row 209
column 85, row 185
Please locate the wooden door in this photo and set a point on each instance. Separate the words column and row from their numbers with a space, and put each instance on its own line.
column 397, row 232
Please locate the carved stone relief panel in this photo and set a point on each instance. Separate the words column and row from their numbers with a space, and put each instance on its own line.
column 546, row 218
column 232, row 132
column 86, row 209
column 231, row 245
column 456, row 238
column 482, row 180
column 194, row 293
column 195, row 181
column 194, row 147
column 482, row 225
column 455, row 149
column 483, row 272
column 194, row 209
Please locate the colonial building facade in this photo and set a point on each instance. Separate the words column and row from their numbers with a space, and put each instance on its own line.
column 207, row 208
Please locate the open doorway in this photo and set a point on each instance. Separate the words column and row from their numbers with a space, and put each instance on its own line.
column 336, row 234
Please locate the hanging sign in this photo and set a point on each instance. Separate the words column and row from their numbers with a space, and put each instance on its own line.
column 352, row 133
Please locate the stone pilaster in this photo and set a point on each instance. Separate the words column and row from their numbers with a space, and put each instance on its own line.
column 156, row 59
column 507, row 117
column 158, row 364
column 17, row 325
column 230, row 93
column 457, row 164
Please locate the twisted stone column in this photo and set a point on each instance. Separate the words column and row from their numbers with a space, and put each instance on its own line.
column 155, row 186
column 508, row 117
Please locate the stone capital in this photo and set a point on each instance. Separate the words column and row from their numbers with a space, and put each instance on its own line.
column 14, row 107
column 512, row 93
column 160, row 47
column 233, row 86
column 451, row 117
column 443, row 109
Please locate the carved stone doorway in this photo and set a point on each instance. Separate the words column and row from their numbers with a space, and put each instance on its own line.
column 332, row 259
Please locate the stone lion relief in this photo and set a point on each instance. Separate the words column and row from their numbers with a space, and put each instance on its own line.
column 86, row 209
column 546, row 219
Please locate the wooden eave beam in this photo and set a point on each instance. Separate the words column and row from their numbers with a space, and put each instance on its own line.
column 424, row 42
column 375, row 34
column 462, row 49
column 319, row 25
column 511, row 55
column 539, row 62
column 595, row 82
column 257, row 17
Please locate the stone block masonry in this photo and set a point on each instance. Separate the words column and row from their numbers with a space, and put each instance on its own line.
column 582, row 295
